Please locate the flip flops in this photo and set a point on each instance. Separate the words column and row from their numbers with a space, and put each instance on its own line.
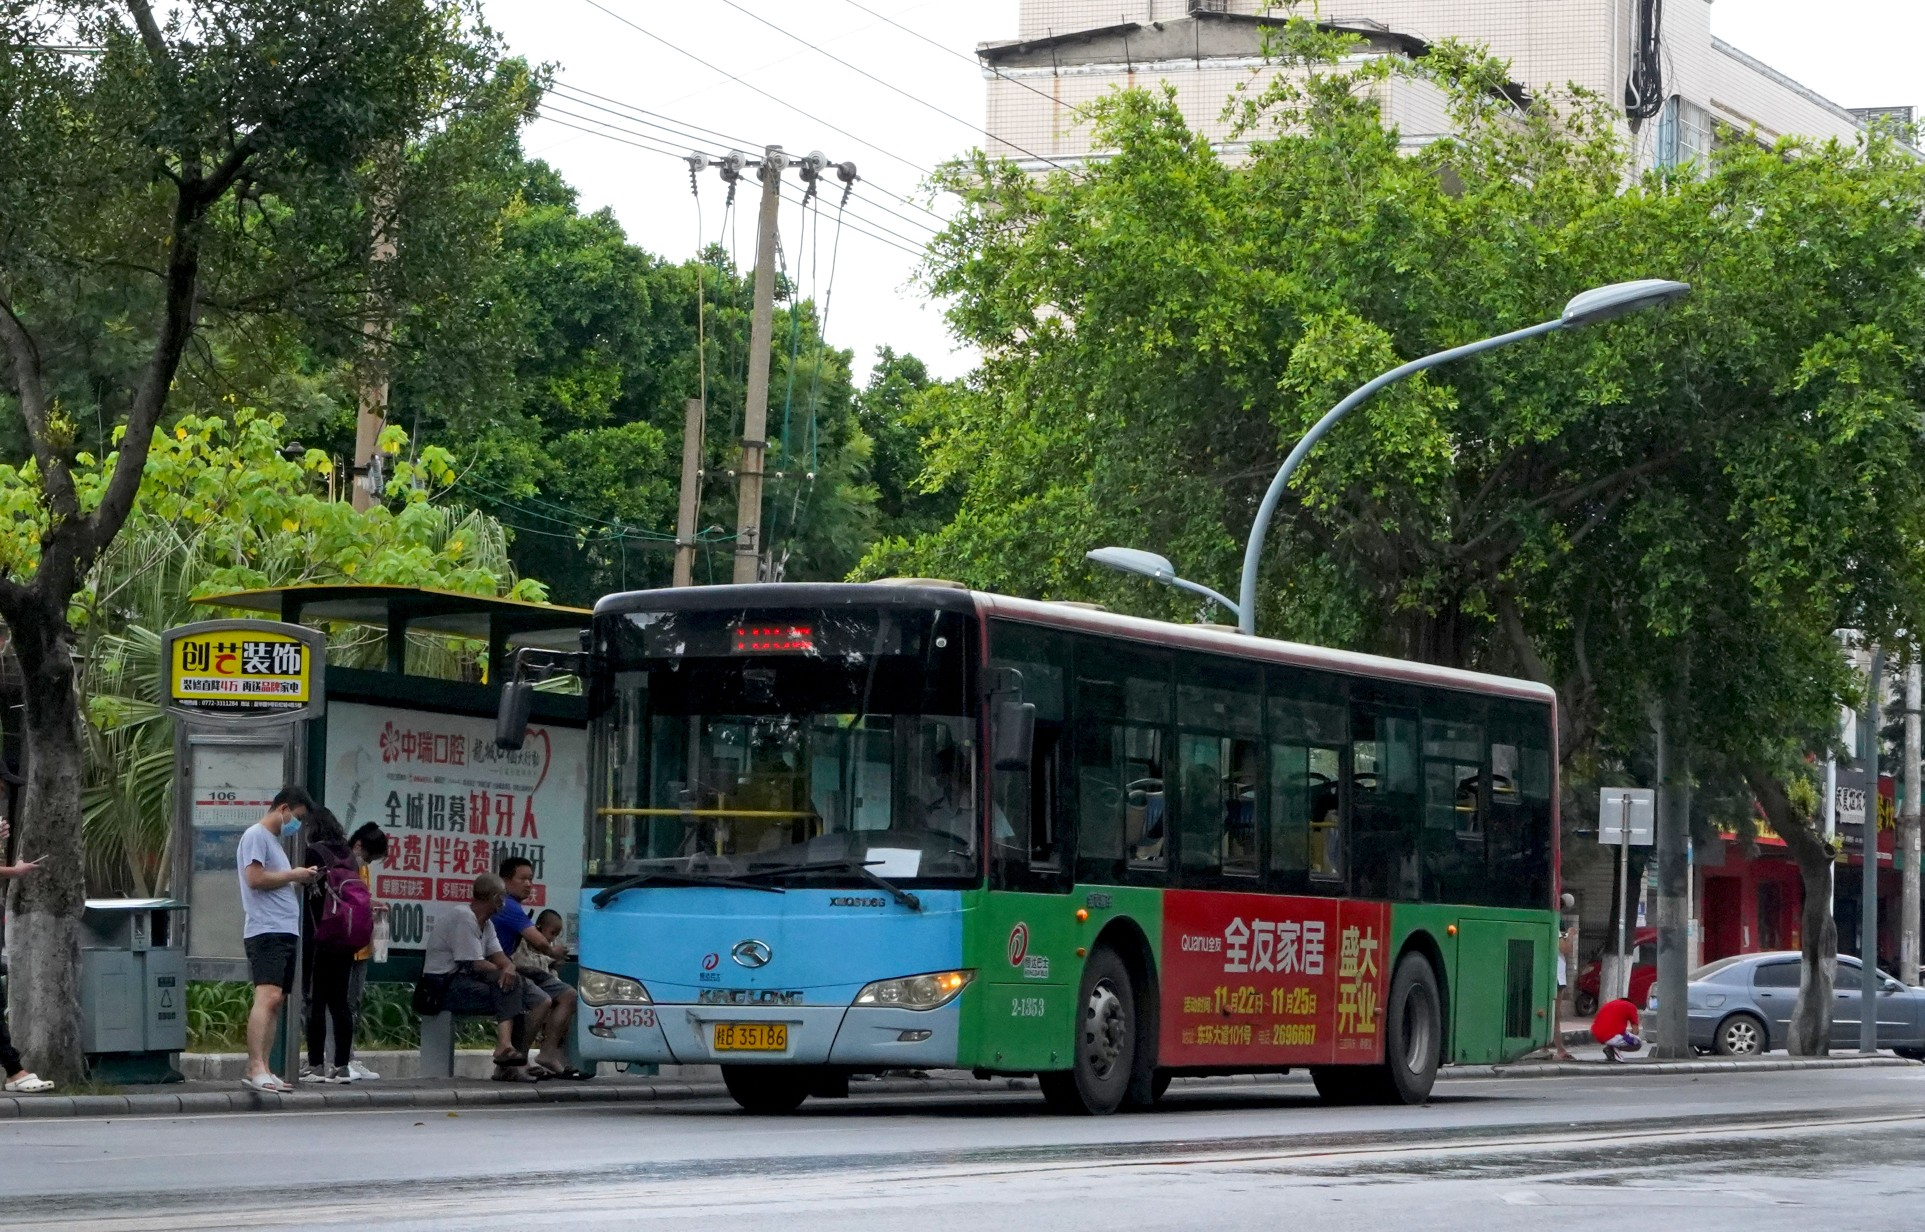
column 266, row 1084
column 29, row 1084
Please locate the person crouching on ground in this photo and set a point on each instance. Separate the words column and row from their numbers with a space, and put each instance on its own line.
column 1616, row 1027
column 465, row 947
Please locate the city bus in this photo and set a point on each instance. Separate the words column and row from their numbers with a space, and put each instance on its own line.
column 841, row 829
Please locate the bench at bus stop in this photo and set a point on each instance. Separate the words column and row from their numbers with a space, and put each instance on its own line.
column 438, row 1043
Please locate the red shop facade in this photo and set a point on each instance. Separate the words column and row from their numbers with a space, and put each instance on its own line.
column 1749, row 904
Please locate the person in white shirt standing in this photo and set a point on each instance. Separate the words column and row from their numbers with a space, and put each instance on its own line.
column 272, row 933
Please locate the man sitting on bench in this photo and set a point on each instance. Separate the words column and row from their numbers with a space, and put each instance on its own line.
column 464, row 945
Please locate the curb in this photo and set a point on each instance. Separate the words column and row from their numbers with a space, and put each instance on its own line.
column 376, row 1097
column 1727, row 1065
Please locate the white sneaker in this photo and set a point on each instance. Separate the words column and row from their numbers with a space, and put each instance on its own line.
column 313, row 1075
column 360, row 1073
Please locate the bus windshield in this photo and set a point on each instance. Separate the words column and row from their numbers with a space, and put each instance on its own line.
column 848, row 750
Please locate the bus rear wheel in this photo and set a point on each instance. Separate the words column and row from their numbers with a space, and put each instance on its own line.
column 1413, row 1044
column 769, row 1090
column 1105, row 1043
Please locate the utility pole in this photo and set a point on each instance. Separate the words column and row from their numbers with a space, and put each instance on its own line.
column 1673, row 961
column 691, row 477
column 371, row 414
column 1908, row 824
column 755, row 417
column 1868, row 916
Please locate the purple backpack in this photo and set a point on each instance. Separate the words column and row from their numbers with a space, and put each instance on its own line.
column 346, row 917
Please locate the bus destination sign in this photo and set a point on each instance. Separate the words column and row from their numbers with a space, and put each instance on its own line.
column 783, row 638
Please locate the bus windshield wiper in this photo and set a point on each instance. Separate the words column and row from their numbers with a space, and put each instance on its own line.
column 856, row 867
column 671, row 877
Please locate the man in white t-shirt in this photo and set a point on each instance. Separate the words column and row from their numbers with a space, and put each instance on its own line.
column 272, row 933
column 465, row 950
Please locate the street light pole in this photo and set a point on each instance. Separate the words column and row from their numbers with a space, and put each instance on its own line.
column 1589, row 308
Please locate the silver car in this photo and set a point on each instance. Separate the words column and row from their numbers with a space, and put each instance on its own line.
column 1741, row 1006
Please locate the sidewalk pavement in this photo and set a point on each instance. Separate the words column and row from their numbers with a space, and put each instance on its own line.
column 203, row 1096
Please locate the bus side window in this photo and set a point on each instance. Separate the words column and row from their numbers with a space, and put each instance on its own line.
column 1519, row 839
column 1219, row 722
column 1122, row 709
column 1455, row 805
column 1384, row 823
column 1306, row 732
column 1028, row 825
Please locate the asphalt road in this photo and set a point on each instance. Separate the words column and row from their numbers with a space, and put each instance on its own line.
column 1752, row 1152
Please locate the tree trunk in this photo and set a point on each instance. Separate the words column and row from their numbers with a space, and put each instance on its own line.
column 1810, row 1034
column 43, row 917
column 1811, row 1018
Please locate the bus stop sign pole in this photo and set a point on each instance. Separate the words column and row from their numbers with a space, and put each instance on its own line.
column 1625, row 817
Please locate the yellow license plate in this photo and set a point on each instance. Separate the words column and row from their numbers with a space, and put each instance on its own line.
column 751, row 1037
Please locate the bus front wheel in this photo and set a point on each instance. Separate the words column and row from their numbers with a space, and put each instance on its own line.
column 1105, row 1042
column 768, row 1090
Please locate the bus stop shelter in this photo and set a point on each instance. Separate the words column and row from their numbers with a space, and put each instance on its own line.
column 391, row 744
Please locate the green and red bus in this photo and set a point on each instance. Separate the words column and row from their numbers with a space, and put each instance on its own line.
column 849, row 828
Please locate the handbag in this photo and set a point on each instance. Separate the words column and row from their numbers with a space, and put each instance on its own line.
column 431, row 993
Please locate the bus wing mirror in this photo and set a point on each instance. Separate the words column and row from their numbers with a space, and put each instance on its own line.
column 1014, row 735
column 511, row 721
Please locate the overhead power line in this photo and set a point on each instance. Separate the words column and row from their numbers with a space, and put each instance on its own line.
column 712, row 134
column 549, row 108
column 596, row 132
column 869, row 227
column 715, row 68
column 690, row 130
column 887, row 85
column 944, row 47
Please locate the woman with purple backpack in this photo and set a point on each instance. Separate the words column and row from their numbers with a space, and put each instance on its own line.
column 340, row 921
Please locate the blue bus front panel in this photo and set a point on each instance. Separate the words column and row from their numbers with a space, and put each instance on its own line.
column 731, row 958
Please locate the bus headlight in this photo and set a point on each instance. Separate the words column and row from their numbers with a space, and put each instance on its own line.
column 916, row 992
column 601, row 988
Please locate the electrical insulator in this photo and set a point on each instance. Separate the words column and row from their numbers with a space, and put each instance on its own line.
column 812, row 165
column 732, row 165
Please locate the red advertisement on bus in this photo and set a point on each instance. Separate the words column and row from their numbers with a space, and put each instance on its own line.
column 1257, row 980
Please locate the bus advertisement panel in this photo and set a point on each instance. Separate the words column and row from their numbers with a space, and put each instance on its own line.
column 1264, row 981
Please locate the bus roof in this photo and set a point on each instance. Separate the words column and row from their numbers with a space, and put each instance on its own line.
column 1219, row 639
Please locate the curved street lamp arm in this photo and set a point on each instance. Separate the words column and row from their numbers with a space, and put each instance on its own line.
column 1199, row 588
column 1246, row 608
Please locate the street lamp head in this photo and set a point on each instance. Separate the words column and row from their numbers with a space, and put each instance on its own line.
column 1606, row 303
column 1133, row 560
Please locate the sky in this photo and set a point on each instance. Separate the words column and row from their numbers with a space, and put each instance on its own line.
column 651, row 100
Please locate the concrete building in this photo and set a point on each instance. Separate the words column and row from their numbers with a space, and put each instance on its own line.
column 1069, row 52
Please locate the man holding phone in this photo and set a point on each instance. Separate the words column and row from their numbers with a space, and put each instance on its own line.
column 19, row 1079
column 272, row 933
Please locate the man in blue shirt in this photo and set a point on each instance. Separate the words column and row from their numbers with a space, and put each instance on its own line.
column 519, row 936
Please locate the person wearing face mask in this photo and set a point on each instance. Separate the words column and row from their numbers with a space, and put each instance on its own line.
column 272, row 932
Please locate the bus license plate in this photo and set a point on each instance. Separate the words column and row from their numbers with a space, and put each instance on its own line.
column 751, row 1037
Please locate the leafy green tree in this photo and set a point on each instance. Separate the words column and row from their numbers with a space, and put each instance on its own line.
column 213, row 162
column 223, row 507
column 899, row 410
column 1672, row 510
